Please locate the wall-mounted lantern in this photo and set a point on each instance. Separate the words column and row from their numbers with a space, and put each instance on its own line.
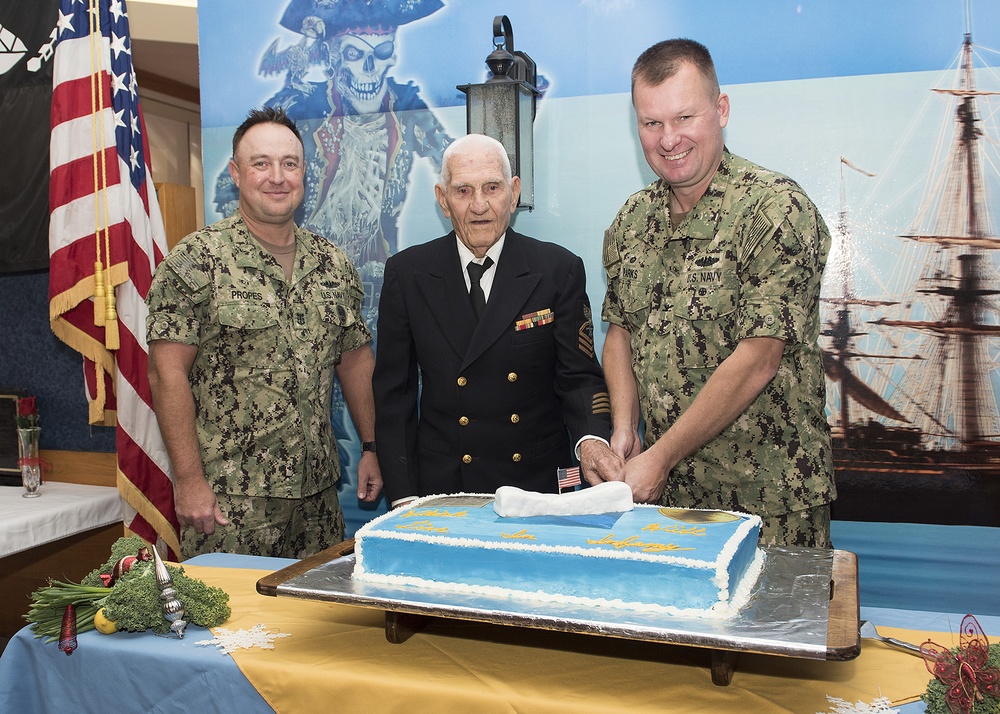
column 503, row 106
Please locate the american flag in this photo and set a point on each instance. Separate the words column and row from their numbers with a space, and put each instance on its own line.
column 568, row 478
column 105, row 238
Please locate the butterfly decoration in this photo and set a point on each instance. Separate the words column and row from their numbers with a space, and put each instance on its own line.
column 963, row 671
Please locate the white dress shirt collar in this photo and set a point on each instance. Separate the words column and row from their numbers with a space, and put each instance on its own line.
column 465, row 256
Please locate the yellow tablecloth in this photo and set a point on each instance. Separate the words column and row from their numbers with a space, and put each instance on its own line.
column 337, row 658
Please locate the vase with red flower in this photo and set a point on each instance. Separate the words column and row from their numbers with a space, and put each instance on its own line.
column 29, row 460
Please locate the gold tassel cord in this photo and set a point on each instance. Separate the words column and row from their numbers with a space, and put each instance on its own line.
column 105, row 313
column 99, row 302
column 111, row 337
column 95, row 92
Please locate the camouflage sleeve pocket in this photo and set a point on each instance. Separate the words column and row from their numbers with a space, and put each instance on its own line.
column 635, row 297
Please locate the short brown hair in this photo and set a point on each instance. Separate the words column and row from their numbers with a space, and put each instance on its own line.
column 662, row 61
column 264, row 115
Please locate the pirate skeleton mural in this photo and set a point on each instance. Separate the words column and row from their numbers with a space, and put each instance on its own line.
column 362, row 129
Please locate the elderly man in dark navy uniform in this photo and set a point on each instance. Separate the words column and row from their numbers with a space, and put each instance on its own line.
column 507, row 396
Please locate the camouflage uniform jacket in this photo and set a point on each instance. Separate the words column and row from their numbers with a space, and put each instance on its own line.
column 747, row 261
column 263, row 375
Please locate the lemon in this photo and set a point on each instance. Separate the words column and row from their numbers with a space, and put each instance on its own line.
column 102, row 624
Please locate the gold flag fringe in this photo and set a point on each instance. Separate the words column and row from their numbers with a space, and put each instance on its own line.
column 131, row 494
column 100, row 353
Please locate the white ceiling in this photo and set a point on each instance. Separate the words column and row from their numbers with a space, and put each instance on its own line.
column 165, row 44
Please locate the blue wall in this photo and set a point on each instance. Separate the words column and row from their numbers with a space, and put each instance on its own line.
column 33, row 360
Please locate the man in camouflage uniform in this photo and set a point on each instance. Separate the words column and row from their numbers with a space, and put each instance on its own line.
column 249, row 318
column 714, row 278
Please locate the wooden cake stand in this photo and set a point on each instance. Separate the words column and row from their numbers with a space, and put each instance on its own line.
column 805, row 605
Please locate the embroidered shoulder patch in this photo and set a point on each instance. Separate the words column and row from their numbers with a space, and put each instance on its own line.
column 185, row 267
column 611, row 256
column 760, row 228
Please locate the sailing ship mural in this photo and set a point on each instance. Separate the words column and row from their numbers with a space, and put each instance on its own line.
column 913, row 376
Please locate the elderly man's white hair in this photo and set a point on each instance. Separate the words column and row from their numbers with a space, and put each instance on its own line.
column 474, row 142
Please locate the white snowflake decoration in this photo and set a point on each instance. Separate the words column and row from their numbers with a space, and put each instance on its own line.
column 229, row 641
column 879, row 705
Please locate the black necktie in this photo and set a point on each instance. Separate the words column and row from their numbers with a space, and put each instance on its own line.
column 476, row 291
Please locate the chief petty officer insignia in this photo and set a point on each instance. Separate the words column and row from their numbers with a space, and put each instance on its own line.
column 585, row 333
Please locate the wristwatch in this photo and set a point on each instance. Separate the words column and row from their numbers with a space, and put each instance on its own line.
column 368, row 446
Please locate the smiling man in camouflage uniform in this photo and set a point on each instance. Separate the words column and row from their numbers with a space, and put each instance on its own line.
column 714, row 278
column 249, row 318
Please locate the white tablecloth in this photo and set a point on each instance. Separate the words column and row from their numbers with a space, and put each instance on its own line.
column 63, row 509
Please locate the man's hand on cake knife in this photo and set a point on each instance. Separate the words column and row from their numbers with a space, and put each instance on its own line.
column 600, row 463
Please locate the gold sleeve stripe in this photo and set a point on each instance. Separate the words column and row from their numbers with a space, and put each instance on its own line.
column 586, row 340
column 601, row 403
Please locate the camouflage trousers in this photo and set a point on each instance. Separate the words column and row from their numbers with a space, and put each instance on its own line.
column 808, row 528
column 276, row 527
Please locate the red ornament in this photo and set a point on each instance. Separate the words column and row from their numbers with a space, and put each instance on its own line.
column 964, row 673
column 124, row 565
column 67, row 636
column 121, row 567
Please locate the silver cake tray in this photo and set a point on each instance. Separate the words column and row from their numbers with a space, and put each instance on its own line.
column 805, row 605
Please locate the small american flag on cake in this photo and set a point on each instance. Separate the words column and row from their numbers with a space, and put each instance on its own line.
column 568, row 478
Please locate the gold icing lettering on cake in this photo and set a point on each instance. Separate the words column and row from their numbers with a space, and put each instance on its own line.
column 680, row 530
column 520, row 535
column 422, row 526
column 434, row 513
column 634, row 542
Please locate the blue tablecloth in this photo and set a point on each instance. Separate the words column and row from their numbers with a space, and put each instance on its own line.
column 917, row 566
column 160, row 674
column 171, row 675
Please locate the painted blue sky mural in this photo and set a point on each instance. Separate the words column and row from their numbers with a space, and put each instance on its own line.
column 586, row 47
